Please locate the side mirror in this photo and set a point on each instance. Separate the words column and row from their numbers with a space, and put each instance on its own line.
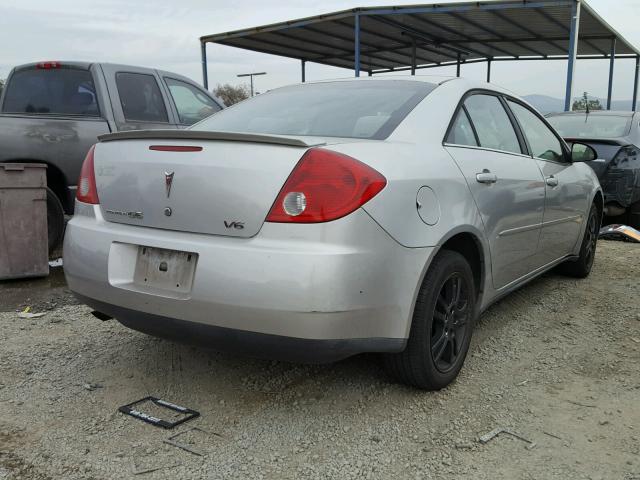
column 581, row 152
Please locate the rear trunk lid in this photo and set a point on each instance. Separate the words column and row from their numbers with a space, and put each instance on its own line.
column 225, row 185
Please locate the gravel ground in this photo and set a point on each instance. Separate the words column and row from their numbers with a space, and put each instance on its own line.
column 557, row 362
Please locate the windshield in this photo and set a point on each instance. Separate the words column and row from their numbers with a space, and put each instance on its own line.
column 591, row 126
column 369, row 109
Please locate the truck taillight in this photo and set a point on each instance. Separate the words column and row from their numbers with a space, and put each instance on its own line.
column 87, row 191
column 47, row 65
column 325, row 186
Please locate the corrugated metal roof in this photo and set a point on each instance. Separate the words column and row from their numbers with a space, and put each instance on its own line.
column 501, row 30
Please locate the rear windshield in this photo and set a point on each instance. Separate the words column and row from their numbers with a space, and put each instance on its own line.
column 591, row 126
column 364, row 109
column 62, row 91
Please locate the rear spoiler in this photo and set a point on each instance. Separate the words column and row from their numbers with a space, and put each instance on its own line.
column 204, row 135
column 603, row 141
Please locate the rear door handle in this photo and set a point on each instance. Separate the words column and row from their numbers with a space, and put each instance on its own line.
column 551, row 181
column 486, row 177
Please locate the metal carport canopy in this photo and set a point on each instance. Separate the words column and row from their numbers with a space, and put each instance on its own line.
column 400, row 38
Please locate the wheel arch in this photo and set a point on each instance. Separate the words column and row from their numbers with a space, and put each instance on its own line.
column 598, row 199
column 469, row 242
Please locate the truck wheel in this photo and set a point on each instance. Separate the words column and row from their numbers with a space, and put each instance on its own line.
column 581, row 267
column 55, row 220
column 442, row 324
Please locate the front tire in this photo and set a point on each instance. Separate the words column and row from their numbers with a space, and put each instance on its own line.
column 441, row 328
column 581, row 268
column 55, row 220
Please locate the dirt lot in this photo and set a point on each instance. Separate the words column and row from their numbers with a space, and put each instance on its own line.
column 557, row 362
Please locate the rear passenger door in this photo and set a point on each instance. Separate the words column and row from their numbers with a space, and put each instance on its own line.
column 567, row 193
column 505, row 182
column 136, row 97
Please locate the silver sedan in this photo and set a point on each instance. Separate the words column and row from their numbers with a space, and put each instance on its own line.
column 322, row 220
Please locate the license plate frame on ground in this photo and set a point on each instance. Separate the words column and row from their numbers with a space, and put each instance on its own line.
column 163, row 269
column 133, row 410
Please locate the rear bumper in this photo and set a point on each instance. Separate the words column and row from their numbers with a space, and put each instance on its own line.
column 309, row 292
column 261, row 345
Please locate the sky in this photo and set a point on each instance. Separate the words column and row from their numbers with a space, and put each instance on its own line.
column 165, row 34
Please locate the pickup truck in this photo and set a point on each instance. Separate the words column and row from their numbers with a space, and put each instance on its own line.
column 52, row 112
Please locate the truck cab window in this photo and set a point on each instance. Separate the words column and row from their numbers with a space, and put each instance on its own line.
column 192, row 104
column 56, row 91
column 140, row 98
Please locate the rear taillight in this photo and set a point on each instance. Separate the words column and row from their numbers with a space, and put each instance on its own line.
column 47, row 65
column 325, row 186
column 87, row 191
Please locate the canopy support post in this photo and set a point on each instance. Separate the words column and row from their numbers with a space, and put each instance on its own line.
column 303, row 65
column 413, row 56
column 635, row 83
column 203, row 54
column 458, row 66
column 357, row 45
column 488, row 70
column 612, row 60
column 573, row 51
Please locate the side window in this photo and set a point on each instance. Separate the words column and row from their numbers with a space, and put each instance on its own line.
column 140, row 98
column 543, row 143
column 492, row 123
column 192, row 104
column 461, row 131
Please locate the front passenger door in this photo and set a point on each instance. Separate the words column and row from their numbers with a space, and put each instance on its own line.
column 566, row 193
column 506, row 184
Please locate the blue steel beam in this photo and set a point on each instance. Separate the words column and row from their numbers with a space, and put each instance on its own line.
column 635, row 83
column 357, row 44
column 611, row 65
column 203, row 54
column 413, row 57
column 572, row 53
column 465, row 8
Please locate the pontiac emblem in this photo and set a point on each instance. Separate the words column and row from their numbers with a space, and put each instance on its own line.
column 168, row 181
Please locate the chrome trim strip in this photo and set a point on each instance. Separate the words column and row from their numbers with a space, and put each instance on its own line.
column 563, row 220
column 526, row 228
column 513, row 231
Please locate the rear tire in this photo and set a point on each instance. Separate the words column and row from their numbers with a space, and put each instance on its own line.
column 441, row 328
column 55, row 220
column 581, row 268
